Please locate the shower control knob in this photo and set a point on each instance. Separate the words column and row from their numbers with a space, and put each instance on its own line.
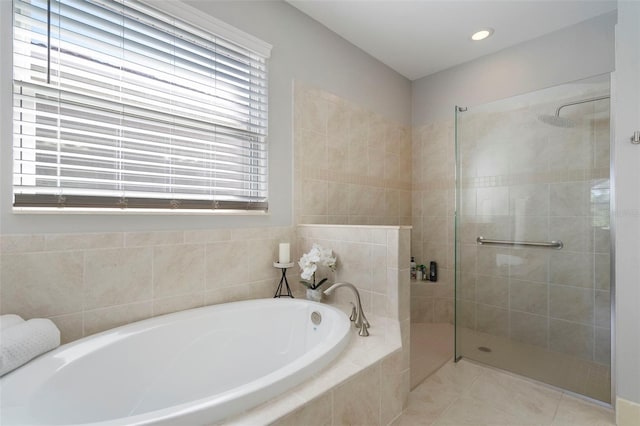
column 635, row 139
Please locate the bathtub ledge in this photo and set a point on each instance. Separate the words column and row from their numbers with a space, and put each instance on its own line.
column 360, row 354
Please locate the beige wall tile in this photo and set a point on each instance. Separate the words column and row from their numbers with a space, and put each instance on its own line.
column 394, row 390
column 357, row 401
column 492, row 320
column 261, row 255
column 226, row 264
column 84, row 241
column 492, row 201
column 339, row 143
column 379, row 277
column 314, row 197
column 70, row 326
column 21, row 243
column 206, row 236
column 182, row 302
column 443, row 311
column 466, row 314
column 313, row 112
column 256, row 233
column 354, row 263
column 404, row 296
column 528, row 296
column 466, row 286
column 602, row 239
column 529, row 264
column 602, row 271
column 404, row 248
column 492, row 290
column 316, row 412
column 530, row 228
column 571, row 303
column 312, row 149
column 532, row 199
column 569, row 199
column 492, row 227
column 117, row 276
column 602, row 309
column 154, row 238
column 571, row 338
column 422, row 309
column 41, row 284
column 528, row 328
column 574, row 232
column 178, row 270
column 338, row 198
column 602, row 346
column 494, row 261
column 569, row 268
column 98, row 320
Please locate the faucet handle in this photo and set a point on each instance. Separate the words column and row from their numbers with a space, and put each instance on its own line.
column 365, row 322
column 364, row 330
column 353, row 315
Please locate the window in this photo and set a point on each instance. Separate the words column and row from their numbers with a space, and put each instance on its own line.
column 118, row 104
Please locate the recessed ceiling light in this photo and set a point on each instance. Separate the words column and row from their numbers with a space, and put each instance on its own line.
column 482, row 34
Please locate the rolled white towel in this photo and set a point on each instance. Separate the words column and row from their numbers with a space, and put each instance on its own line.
column 9, row 320
column 21, row 343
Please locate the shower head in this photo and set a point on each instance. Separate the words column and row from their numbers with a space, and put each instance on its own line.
column 556, row 120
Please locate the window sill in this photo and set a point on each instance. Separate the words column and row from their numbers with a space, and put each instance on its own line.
column 127, row 212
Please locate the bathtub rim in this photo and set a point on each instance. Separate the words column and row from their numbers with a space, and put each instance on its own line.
column 198, row 410
column 362, row 354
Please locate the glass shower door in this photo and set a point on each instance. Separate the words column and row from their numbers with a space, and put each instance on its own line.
column 532, row 236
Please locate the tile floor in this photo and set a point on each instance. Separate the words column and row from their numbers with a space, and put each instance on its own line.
column 466, row 393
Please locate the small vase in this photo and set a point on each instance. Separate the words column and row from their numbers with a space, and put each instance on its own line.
column 314, row 295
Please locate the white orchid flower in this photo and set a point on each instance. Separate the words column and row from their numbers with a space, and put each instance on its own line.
column 309, row 263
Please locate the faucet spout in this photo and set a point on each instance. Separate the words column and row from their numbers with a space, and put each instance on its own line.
column 361, row 321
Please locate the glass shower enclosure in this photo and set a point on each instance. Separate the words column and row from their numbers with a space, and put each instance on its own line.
column 532, row 279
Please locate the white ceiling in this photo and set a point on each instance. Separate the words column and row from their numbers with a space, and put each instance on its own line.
column 420, row 37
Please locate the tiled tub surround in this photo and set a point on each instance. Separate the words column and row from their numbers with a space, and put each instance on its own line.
column 351, row 166
column 87, row 283
column 365, row 385
column 525, row 180
column 376, row 260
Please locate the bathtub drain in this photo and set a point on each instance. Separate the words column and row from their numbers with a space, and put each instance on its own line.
column 316, row 318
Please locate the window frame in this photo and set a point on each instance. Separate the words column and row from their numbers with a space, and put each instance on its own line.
column 162, row 203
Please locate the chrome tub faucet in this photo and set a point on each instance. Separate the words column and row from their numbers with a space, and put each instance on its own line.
column 360, row 320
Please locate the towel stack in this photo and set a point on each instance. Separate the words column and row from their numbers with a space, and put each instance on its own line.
column 21, row 341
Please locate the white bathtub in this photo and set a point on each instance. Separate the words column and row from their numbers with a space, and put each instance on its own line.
column 192, row 367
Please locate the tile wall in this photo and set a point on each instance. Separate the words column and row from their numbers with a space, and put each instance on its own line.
column 376, row 260
column 432, row 236
column 87, row 283
column 351, row 166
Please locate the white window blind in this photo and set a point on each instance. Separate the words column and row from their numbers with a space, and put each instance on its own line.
column 118, row 104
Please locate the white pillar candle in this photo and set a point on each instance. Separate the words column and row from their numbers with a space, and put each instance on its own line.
column 285, row 253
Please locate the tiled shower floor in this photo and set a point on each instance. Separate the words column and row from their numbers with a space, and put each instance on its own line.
column 561, row 370
column 466, row 393
column 432, row 346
